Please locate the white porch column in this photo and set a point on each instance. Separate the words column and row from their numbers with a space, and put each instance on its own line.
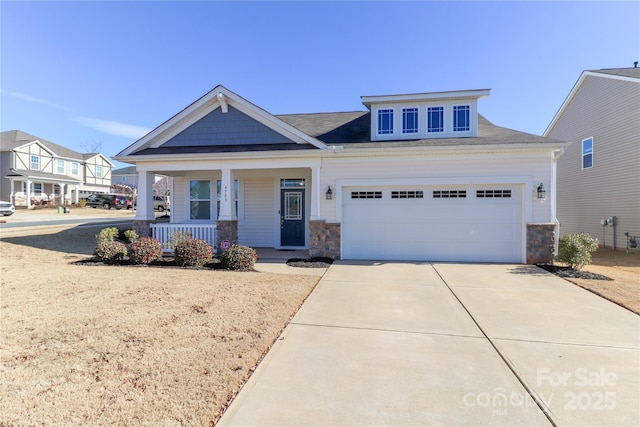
column 63, row 196
column 227, row 197
column 28, row 193
column 12, row 192
column 144, row 207
column 315, row 190
column 76, row 197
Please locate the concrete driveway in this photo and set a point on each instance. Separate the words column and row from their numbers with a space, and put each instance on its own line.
column 405, row 344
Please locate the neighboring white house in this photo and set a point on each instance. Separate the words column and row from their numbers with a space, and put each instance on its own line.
column 599, row 175
column 34, row 171
column 414, row 177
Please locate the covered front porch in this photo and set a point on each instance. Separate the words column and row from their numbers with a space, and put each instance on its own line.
column 262, row 204
column 42, row 190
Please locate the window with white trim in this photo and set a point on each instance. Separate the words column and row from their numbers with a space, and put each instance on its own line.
column 449, row 194
column 385, row 121
column 587, row 153
column 60, row 166
column 484, row 194
column 461, row 118
column 75, row 168
column 35, row 163
column 409, row 120
column 200, row 199
column 366, row 194
column 409, row 194
column 435, row 119
column 36, row 188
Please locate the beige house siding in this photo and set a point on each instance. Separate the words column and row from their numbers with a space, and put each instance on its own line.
column 608, row 110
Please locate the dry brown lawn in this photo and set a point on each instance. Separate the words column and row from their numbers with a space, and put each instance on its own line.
column 116, row 345
column 621, row 266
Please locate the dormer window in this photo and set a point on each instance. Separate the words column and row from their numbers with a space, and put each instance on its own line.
column 435, row 119
column 460, row 118
column 385, row 122
column 409, row 120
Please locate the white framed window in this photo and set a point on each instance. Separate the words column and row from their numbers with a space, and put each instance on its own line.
column 409, row 120
column 99, row 171
column 385, row 121
column 435, row 119
column 587, row 153
column 461, row 118
column 75, row 168
column 36, row 188
column 199, row 199
column 60, row 166
column 35, row 162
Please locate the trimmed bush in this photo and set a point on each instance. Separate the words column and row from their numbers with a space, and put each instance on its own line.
column 576, row 249
column 145, row 250
column 131, row 235
column 238, row 257
column 110, row 251
column 107, row 234
column 177, row 237
column 193, row 252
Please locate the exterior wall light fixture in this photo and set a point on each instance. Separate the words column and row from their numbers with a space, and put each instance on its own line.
column 329, row 193
column 541, row 191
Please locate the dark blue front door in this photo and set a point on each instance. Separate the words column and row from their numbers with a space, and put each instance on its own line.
column 292, row 217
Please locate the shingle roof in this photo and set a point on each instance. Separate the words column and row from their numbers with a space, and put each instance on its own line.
column 12, row 139
column 623, row 72
column 129, row 170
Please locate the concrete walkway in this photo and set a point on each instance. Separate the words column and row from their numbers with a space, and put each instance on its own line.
column 405, row 344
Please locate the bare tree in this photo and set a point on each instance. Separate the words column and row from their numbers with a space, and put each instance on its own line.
column 162, row 187
column 92, row 146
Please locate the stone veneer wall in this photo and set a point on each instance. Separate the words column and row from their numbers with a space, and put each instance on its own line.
column 142, row 226
column 226, row 230
column 324, row 239
column 541, row 242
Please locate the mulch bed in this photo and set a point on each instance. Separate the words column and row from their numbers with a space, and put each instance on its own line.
column 568, row 272
column 317, row 262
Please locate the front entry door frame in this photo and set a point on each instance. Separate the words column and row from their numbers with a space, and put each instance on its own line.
column 293, row 216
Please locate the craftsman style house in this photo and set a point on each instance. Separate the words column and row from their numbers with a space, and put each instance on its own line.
column 36, row 171
column 599, row 175
column 412, row 177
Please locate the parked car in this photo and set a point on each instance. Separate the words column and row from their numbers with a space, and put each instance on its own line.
column 108, row 201
column 160, row 204
column 7, row 208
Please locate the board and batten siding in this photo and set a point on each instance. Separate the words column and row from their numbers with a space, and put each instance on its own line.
column 608, row 110
column 256, row 228
column 407, row 170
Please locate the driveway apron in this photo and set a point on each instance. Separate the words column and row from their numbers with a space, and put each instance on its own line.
column 404, row 344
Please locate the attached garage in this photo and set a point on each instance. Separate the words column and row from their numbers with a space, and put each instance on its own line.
column 437, row 223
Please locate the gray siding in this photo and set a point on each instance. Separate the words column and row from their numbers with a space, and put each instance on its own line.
column 609, row 111
column 5, row 184
column 231, row 128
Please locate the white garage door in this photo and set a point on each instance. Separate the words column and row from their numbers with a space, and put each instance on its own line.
column 462, row 223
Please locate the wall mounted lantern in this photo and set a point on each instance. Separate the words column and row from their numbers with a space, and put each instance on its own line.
column 541, row 191
column 329, row 193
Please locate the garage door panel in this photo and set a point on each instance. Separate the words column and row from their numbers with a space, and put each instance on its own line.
column 438, row 229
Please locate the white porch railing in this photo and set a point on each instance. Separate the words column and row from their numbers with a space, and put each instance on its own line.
column 164, row 231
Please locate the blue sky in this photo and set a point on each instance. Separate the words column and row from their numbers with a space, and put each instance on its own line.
column 77, row 73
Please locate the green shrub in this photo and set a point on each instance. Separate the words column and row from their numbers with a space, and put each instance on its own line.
column 110, row 251
column 145, row 250
column 193, row 252
column 131, row 235
column 108, row 234
column 576, row 249
column 238, row 257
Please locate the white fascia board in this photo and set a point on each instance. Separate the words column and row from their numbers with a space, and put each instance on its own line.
column 428, row 96
column 103, row 157
column 208, row 103
column 39, row 144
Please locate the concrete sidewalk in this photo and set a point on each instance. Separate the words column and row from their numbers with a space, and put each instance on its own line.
column 384, row 343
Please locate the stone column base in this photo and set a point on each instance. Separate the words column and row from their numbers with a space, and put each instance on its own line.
column 142, row 227
column 324, row 239
column 541, row 243
column 226, row 230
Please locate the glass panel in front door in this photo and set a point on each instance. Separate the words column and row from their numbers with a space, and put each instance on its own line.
column 293, row 205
